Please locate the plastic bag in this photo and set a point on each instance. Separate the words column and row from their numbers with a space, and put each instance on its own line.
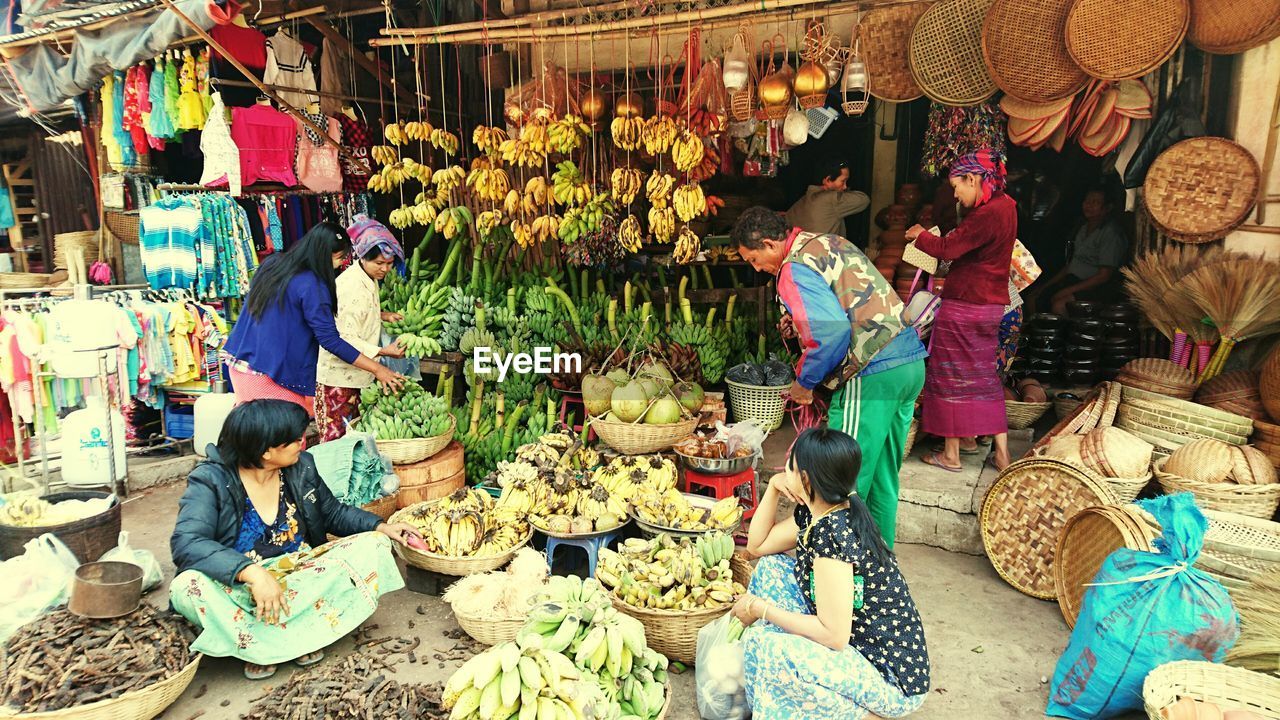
column 409, row 367
column 742, row 434
column 1141, row 611
column 719, row 672
column 145, row 559
column 35, row 581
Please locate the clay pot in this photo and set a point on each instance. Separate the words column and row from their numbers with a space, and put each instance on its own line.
column 595, row 105
column 897, row 217
column 910, row 196
column 882, row 218
column 893, row 238
column 629, row 105
column 924, row 216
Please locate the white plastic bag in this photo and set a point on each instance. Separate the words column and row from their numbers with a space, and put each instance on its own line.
column 720, row 675
column 35, row 581
column 742, row 434
column 145, row 559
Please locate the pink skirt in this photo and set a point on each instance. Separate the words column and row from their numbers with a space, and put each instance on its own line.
column 962, row 393
column 256, row 386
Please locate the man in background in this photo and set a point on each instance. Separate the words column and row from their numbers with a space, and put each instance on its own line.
column 1099, row 247
column 824, row 206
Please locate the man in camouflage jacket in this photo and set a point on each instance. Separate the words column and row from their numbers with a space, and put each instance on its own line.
column 854, row 340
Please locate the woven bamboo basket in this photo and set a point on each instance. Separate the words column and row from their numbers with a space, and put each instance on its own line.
column 1164, row 418
column 64, row 243
column 761, row 404
column 1125, row 39
column 489, row 630
column 1123, row 490
column 1064, row 406
column 407, row 452
column 1201, row 189
column 884, row 34
column 1230, row 688
column 1258, row 501
column 22, row 281
column 1158, row 376
column 124, row 226
column 1207, row 416
column 674, row 633
column 1229, row 27
column 945, row 53
column 141, row 704
column 1023, row 415
column 1085, row 542
column 1025, row 51
column 639, row 438
column 458, row 566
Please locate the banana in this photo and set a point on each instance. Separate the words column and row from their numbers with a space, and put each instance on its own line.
column 627, row 132
column 687, row 151
column 688, row 245
column 662, row 223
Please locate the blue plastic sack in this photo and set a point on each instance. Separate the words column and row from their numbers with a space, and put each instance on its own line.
column 1144, row 610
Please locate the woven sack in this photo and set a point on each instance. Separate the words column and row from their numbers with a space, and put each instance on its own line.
column 1206, row 460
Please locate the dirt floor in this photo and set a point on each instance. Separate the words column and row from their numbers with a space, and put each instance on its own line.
column 993, row 649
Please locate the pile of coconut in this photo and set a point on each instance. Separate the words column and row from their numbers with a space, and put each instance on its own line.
column 651, row 395
column 502, row 594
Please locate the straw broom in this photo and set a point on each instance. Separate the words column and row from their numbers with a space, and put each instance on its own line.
column 1241, row 294
column 1173, row 265
column 1259, row 606
column 1147, row 283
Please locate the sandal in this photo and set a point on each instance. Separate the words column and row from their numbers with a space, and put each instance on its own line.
column 975, row 450
column 309, row 659
column 258, row 672
column 934, row 460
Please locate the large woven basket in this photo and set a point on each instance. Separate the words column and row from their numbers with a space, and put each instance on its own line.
column 761, row 404
column 407, row 452
column 1227, row 27
column 1258, row 501
column 141, row 704
column 88, row 538
column 489, row 630
column 639, row 438
column 1201, row 189
column 674, row 633
column 1125, row 39
column 1023, row 415
column 1190, row 412
column 1024, row 47
column 1158, row 376
column 946, row 53
column 1085, row 542
column 1236, row 547
column 64, row 243
column 885, row 35
column 458, row 566
column 22, row 280
column 1160, row 418
column 1230, row 688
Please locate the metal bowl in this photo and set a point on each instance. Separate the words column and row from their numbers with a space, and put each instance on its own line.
column 104, row 590
column 718, row 466
column 698, row 501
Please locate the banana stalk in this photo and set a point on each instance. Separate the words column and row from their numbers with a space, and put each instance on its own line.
column 451, row 260
column 510, row 432
column 501, row 412
column 706, row 271
column 684, row 284
column 728, row 313
column 686, row 310
column 626, row 298
column 575, row 321
column 613, row 317
column 711, row 317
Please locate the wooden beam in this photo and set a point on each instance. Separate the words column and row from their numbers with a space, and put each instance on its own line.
column 373, row 68
column 280, row 88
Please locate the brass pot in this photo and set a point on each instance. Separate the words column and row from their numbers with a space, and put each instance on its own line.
column 595, row 105
column 775, row 94
column 629, row 105
column 811, row 79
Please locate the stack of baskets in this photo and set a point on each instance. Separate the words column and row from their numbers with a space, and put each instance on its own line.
column 23, row 280
column 1266, row 438
column 1113, row 456
column 761, row 404
column 1169, row 423
column 1089, row 537
column 65, row 243
column 1236, row 393
column 1227, row 687
column 1159, row 376
column 1223, row 477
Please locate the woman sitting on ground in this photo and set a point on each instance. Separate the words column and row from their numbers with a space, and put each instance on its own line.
column 840, row 637
column 255, row 571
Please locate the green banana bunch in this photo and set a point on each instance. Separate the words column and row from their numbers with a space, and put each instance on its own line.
column 459, row 317
column 713, row 547
column 410, row 413
column 419, row 346
column 519, row 679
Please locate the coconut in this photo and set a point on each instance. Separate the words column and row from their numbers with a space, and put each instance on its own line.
column 658, row 372
column 665, row 411
column 651, row 386
column 690, row 395
column 618, row 376
column 597, row 392
column 629, row 401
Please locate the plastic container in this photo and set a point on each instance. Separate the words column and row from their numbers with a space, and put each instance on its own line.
column 211, row 412
column 85, row 458
column 179, row 421
column 77, row 332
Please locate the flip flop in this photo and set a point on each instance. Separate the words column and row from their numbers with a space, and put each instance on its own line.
column 977, row 450
column 262, row 673
column 309, row 659
column 932, row 459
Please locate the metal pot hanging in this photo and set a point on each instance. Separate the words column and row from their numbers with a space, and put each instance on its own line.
column 854, row 84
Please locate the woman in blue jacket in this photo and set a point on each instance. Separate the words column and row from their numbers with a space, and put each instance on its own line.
column 288, row 316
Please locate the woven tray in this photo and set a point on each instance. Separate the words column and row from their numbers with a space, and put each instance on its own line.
column 1125, row 39
column 1227, row 27
column 885, row 34
column 1201, row 189
column 946, row 53
column 136, row 705
column 1259, row 501
column 1230, row 688
column 407, row 452
column 639, row 438
column 1135, row 414
column 1087, row 539
column 1022, row 415
column 1023, row 514
column 1024, row 49
column 1237, row 423
column 458, row 566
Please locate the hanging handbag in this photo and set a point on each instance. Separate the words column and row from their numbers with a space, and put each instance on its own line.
column 922, row 307
column 1024, row 269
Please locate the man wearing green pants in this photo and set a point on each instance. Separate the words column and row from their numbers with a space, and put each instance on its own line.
column 854, row 340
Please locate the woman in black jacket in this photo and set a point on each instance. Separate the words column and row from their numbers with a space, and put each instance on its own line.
column 254, row 570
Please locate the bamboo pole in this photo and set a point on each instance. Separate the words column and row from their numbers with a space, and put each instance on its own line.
column 282, row 88
column 373, row 68
column 544, row 16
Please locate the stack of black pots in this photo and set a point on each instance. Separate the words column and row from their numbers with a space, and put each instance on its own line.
column 1043, row 343
column 1103, row 339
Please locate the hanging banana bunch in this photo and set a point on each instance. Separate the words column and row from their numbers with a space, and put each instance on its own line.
column 658, row 135
column 488, row 139
column 687, row 151
column 688, row 245
column 488, row 183
column 662, row 223
column 444, row 141
column 566, row 134
column 629, row 235
column 627, row 132
column 659, row 188
column 394, row 134
column 689, row 202
column 416, row 130
column 625, row 184
column 384, row 154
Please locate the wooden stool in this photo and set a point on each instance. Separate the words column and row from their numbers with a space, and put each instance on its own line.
column 723, row 486
column 569, row 400
column 590, row 545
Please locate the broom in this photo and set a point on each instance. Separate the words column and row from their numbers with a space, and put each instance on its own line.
column 1241, row 294
column 1173, row 265
column 1147, row 284
column 1259, row 606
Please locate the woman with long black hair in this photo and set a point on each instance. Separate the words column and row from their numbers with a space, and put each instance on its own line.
column 288, row 316
column 838, row 635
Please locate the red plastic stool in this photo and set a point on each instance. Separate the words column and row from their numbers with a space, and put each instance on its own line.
column 724, row 486
column 569, row 400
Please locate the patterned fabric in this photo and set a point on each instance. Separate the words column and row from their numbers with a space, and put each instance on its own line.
column 355, row 168
column 789, row 676
column 985, row 164
column 962, row 392
column 289, row 65
column 250, row 385
column 1010, row 336
column 260, row 541
column 330, row 591
column 873, row 309
column 318, row 167
column 359, row 322
column 221, row 156
column 336, row 407
column 191, row 113
column 168, row 232
column 367, row 234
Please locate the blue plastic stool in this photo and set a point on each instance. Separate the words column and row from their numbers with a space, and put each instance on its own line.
column 591, row 545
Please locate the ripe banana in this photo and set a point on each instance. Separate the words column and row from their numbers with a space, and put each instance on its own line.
column 687, row 151
column 658, row 135
column 689, row 202
column 627, row 132
column 629, row 235
column 662, row 223
column 659, row 187
column 625, row 184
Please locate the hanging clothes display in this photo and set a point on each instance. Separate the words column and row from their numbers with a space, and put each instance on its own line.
column 172, row 92
column 190, row 106
column 318, row 166
column 159, row 126
column 202, row 81
column 335, row 76
column 288, row 65
column 268, row 141
column 356, row 168
column 221, row 156
column 249, row 47
column 109, row 140
column 199, row 241
column 133, row 123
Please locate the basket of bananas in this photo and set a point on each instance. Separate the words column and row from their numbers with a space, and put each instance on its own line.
column 462, row 534
column 409, row 426
column 672, row 512
column 674, row 586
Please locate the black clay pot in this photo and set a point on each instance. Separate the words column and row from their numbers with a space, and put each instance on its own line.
column 1050, row 357
column 1043, row 364
column 1047, row 379
column 1081, row 377
column 1051, row 334
column 1122, row 331
column 1082, row 352
column 1043, row 344
column 1120, row 312
column 1047, row 321
column 1083, row 309
column 1079, row 364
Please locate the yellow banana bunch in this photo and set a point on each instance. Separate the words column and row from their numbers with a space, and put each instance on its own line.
column 416, row 130
column 522, row 233
column 490, row 184
column 389, row 178
column 447, row 179
column 546, row 227
column 689, row 202
column 424, row 213
column 627, row 132
column 662, row 223
column 625, row 184
column 384, row 154
column 659, row 188
column 629, row 235
column 488, row 139
column 565, row 135
column 569, row 186
column 401, row 217
column 416, row 170
column 659, row 132
column 687, row 152
column 626, row 474
column 488, row 221
column 536, row 191
column 688, row 245
column 444, row 141
column 453, row 221
column 537, row 138
column 511, row 204
column 394, row 133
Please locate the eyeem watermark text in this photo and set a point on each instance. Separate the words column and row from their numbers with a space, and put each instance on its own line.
column 543, row 361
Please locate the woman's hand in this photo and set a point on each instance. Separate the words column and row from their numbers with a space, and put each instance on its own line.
column 391, row 317
column 393, row 350
column 399, row 532
column 390, row 380
column 787, row 484
column 269, row 604
column 914, row 232
column 749, row 608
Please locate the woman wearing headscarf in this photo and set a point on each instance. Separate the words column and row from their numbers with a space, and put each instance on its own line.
column 359, row 321
column 963, row 396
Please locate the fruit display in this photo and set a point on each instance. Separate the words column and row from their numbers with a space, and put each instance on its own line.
column 520, row 679
column 666, row 573
column 410, row 413
column 464, row 524
column 672, row 509
column 650, row 395
column 697, row 445
column 687, row 151
column 501, row 594
column 625, row 475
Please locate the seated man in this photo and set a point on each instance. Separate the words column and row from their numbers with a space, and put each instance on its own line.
column 824, row 206
column 1098, row 249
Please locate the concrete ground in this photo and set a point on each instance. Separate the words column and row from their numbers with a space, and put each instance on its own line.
column 992, row 648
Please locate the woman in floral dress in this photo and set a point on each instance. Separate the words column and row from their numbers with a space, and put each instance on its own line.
column 255, row 572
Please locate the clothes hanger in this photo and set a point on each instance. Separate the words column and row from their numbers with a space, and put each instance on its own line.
column 346, row 110
column 240, row 20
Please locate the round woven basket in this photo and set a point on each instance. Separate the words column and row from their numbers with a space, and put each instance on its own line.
column 1205, row 461
column 1150, row 417
column 1025, row 51
column 1064, row 406
column 885, row 34
column 1023, row 415
column 1125, row 39
column 674, row 633
column 1158, row 376
column 945, row 53
column 1258, row 501
column 1227, row 27
column 141, row 704
column 1087, row 539
column 487, row 629
column 1201, row 189
column 640, row 438
column 1206, row 417
column 22, row 281
column 1230, row 688
column 1024, row 513
column 761, row 404
column 1124, row 490
column 407, row 452
column 64, row 243
column 458, row 566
